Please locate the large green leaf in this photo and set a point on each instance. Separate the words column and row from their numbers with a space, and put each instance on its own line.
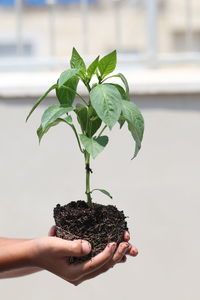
column 94, row 146
column 103, row 191
column 67, row 92
column 106, row 100
column 53, row 87
column 76, row 61
column 66, row 75
column 52, row 113
column 41, row 131
column 92, row 68
column 135, row 123
column 107, row 64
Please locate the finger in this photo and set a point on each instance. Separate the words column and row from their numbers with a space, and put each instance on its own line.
column 52, row 231
column 132, row 251
column 124, row 259
column 119, row 254
column 126, row 236
column 100, row 271
column 95, row 263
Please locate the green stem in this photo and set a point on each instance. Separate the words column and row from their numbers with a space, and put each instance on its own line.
column 87, row 86
column 107, row 78
column 102, row 130
column 88, row 171
column 76, row 134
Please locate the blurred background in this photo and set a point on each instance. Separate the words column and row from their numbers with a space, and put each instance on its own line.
column 158, row 44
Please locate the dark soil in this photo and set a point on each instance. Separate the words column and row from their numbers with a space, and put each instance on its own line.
column 97, row 224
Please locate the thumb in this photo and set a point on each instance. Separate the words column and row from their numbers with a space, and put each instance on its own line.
column 76, row 248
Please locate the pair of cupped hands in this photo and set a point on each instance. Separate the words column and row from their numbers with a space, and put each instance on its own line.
column 53, row 255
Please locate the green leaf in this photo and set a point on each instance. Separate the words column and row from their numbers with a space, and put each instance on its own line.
column 67, row 92
column 92, row 68
column 135, row 123
column 52, row 113
column 95, row 125
column 41, row 131
column 82, row 116
column 107, row 64
column 40, row 100
column 106, row 100
column 121, row 121
column 104, row 192
column 66, row 75
column 123, row 93
column 88, row 118
column 125, row 82
column 76, row 61
column 95, row 121
column 94, row 146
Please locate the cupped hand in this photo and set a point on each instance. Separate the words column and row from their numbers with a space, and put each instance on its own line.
column 52, row 254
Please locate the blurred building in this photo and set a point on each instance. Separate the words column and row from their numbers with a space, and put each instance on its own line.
column 44, row 27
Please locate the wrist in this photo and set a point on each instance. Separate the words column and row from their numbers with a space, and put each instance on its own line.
column 38, row 250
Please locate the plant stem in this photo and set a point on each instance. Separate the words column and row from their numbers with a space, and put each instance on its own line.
column 88, row 171
column 102, row 130
column 76, row 134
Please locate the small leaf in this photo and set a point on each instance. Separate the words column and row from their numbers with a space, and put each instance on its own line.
column 40, row 100
column 66, row 75
column 67, row 92
column 52, row 113
column 107, row 64
column 92, row 68
column 76, row 61
column 125, row 82
column 135, row 123
column 41, row 131
column 104, row 192
column 121, row 121
column 94, row 146
column 106, row 100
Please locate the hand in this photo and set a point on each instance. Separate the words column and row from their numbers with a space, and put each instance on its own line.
column 56, row 260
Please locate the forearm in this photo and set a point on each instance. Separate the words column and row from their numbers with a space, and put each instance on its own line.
column 8, row 241
column 19, row 272
column 16, row 255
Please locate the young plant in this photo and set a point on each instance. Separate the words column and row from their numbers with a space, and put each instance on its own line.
column 106, row 104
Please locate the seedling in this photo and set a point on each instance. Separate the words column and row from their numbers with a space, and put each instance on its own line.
column 106, row 105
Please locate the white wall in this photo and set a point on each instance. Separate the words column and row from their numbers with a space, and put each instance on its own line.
column 159, row 191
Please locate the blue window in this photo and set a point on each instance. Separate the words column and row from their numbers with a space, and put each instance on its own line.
column 74, row 1
column 41, row 2
column 7, row 2
column 35, row 2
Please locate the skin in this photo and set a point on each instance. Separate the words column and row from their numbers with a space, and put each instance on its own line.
column 20, row 257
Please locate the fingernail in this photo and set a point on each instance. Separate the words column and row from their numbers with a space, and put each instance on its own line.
column 113, row 246
column 127, row 235
column 86, row 247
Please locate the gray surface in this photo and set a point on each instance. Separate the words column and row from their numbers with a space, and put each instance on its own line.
column 159, row 191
